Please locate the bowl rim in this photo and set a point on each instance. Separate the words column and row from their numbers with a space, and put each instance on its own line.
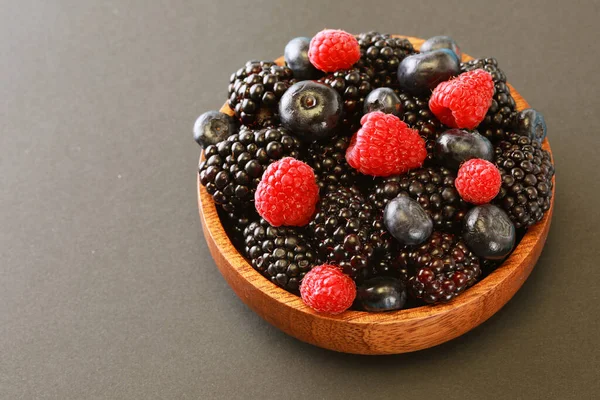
column 505, row 271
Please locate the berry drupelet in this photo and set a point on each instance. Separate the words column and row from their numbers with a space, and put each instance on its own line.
column 527, row 171
column 328, row 160
column 383, row 54
column 353, row 85
column 232, row 169
column 443, row 268
column 433, row 188
column 255, row 90
column 501, row 115
column 283, row 254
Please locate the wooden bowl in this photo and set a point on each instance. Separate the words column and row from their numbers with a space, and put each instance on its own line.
column 374, row 333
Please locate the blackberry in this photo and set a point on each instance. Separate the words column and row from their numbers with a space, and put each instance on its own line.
column 232, row 168
column 353, row 85
column 255, row 90
column 527, row 172
column 383, row 54
column 502, row 114
column 345, row 230
column 432, row 187
column 417, row 115
column 283, row 254
column 235, row 223
column 443, row 268
column 328, row 160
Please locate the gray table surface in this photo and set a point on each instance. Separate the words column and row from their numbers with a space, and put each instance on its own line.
column 107, row 289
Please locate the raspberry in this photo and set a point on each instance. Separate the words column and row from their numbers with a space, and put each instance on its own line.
column 331, row 50
column 463, row 102
column 326, row 289
column 478, row 181
column 287, row 193
column 385, row 146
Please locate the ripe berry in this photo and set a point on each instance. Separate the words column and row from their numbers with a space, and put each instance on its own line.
column 531, row 123
column 213, row 127
column 382, row 293
column 384, row 100
column 331, row 50
column 311, row 110
column 420, row 73
column 385, row 146
column 463, row 101
column 296, row 57
column 441, row 42
column 287, row 193
column 407, row 221
column 478, row 181
column 327, row 290
column 456, row 146
column 489, row 232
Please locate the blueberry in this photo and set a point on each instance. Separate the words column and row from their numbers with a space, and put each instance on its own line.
column 531, row 123
column 407, row 221
column 311, row 109
column 456, row 146
column 296, row 57
column 381, row 294
column 384, row 100
column 489, row 232
column 421, row 73
column 441, row 42
column 213, row 127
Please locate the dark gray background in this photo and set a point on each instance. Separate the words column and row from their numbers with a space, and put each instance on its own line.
column 107, row 289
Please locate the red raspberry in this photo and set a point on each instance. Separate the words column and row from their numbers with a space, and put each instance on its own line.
column 287, row 193
column 478, row 181
column 326, row 289
column 463, row 102
column 331, row 50
column 385, row 146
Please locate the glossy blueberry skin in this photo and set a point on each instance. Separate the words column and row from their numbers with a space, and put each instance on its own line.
column 531, row 123
column 381, row 294
column 489, row 232
column 441, row 42
column 311, row 110
column 421, row 73
column 213, row 127
column 456, row 146
column 407, row 221
column 296, row 57
column 384, row 100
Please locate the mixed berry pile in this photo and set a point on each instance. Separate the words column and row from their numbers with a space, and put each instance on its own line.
column 365, row 174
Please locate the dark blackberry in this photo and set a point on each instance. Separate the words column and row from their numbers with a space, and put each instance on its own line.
column 417, row 115
column 255, row 90
column 527, row 172
column 383, row 54
column 283, row 254
column 232, row 168
column 235, row 223
column 328, row 160
column 432, row 187
column 344, row 230
column 443, row 268
column 502, row 114
column 353, row 85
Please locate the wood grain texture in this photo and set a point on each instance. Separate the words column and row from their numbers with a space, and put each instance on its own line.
column 374, row 333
